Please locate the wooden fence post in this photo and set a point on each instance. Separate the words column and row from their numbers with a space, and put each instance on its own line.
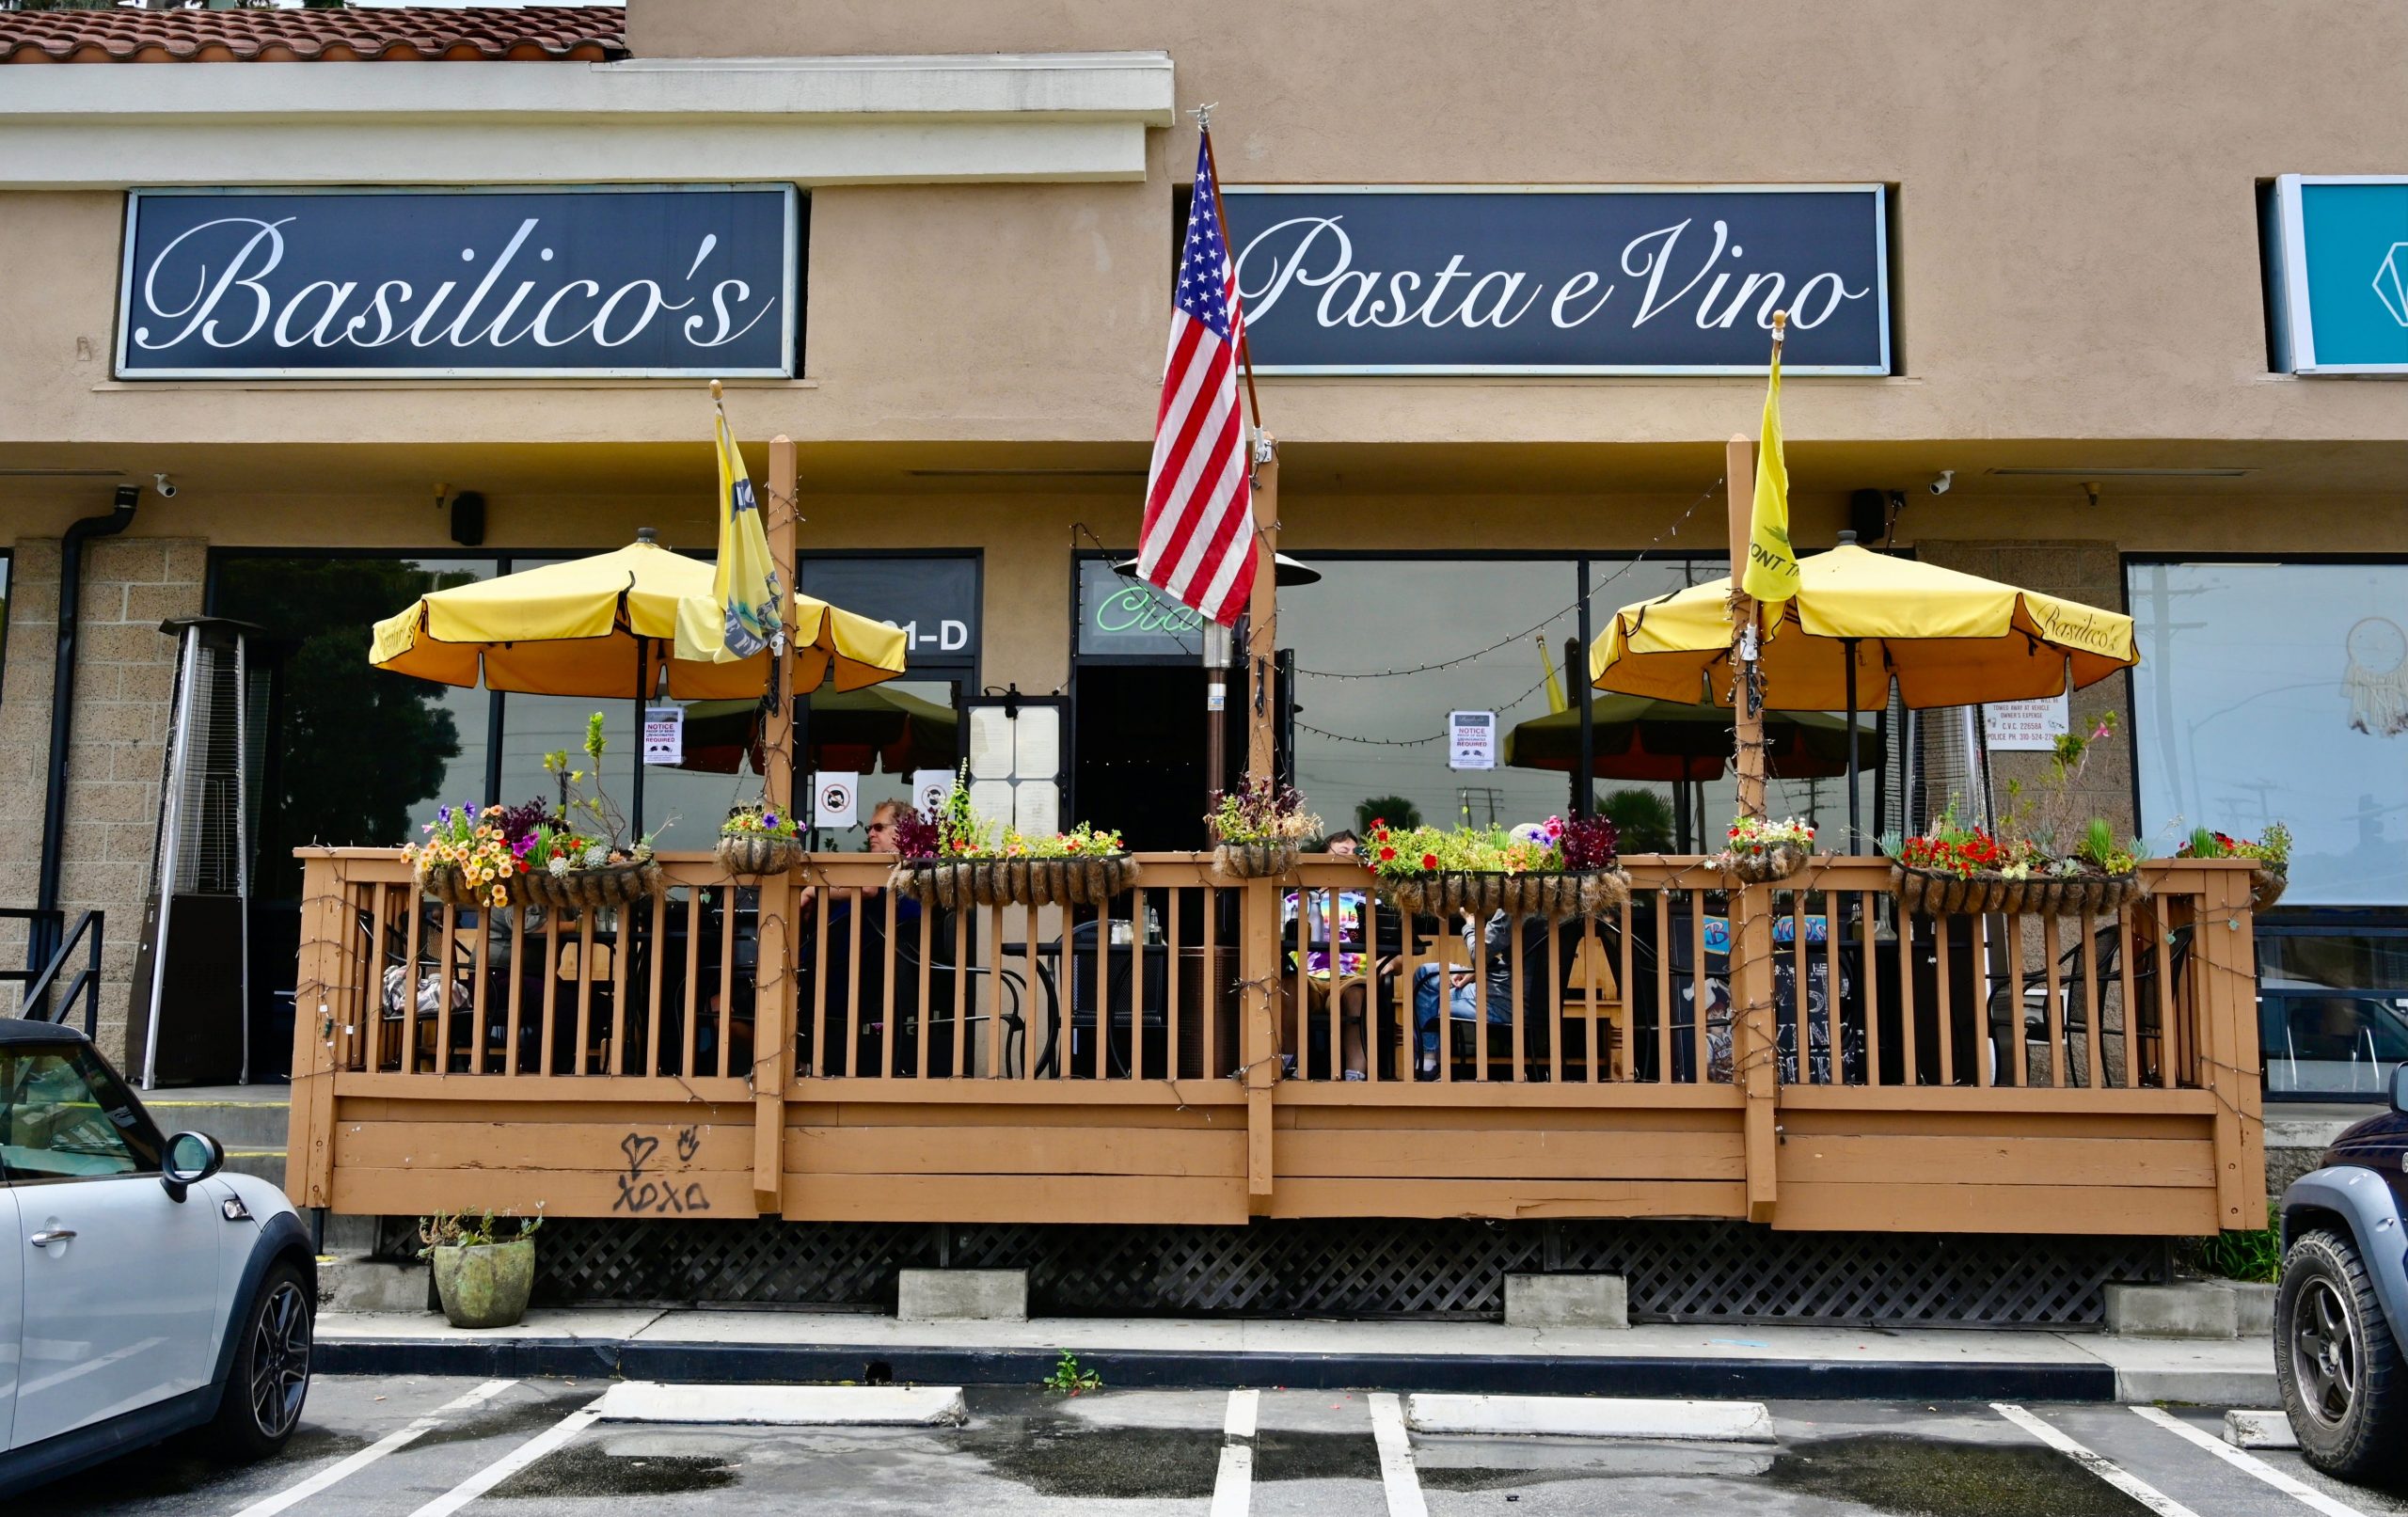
column 323, row 1009
column 1755, row 1050
column 1259, row 959
column 2225, row 974
column 774, row 981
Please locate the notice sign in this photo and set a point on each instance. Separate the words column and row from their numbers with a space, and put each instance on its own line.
column 835, row 800
column 929, row 788
column 664, row 735
column 1471, row 739
column 2025, row 726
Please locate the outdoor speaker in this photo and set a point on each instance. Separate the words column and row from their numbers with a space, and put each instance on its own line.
column 1867, row 516
column 469, row 519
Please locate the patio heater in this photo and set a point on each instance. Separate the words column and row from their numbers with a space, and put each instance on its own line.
column 190, row 1021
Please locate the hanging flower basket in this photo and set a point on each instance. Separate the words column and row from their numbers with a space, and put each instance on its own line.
column 1938, row 893
column 955, row 883
column 1762, row 866
column 601, row 885
column 1255, row 860
column 752, row 855
column 449, row 884
column 2266, row 886
column 1556, row 895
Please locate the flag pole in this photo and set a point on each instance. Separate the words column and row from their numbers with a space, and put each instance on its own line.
column 1262, row 606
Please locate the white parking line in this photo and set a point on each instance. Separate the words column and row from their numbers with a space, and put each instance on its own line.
column 1233, row 1486
column 1244, row 1406
column 301, row 1490
column 1397, row 1475
column 2132, row 1485
column 512, row 1462
column 2248, row 1464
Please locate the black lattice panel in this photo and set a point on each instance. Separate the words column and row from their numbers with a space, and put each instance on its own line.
column 1678, row 1272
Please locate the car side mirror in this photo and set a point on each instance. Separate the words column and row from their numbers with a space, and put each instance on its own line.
column 2400, row 1087
column 191, row 1158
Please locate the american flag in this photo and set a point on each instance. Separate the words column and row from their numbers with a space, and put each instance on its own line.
column 1198, row 539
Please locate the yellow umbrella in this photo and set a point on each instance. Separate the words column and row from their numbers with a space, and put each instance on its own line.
column 1858, row 621
column 603, row 627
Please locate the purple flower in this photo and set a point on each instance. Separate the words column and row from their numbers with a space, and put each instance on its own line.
column 443, row 816
column 769, row 819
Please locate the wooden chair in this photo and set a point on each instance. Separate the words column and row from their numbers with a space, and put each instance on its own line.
column 1608, row 1016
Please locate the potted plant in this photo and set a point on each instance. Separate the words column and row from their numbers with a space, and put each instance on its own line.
column 577, row 858
column 1258, row 830
column 1554, row 869
column 2024, row 868
column 1762, row 850
column 484, row 1266
column 756, row 840
column 2270, row 851
column 1956, row 867
column 472, row 858
column 964, row 860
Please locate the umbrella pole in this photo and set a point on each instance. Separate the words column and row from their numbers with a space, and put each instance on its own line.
column 1584, row 790
column 1847, row 649
column 635, row 824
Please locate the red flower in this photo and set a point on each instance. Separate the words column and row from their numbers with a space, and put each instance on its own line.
column 1429, row 861
column 1387, row 854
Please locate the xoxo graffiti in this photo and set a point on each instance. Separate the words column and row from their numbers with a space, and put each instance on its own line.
column 644, row 1193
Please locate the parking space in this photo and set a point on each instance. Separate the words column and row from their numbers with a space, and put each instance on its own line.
column 430, row 1448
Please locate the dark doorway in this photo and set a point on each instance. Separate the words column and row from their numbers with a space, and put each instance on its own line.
column 1140, row 747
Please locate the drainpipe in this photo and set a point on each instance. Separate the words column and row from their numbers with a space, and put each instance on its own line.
column 62, row 704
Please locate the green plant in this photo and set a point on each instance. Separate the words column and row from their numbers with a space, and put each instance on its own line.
column 961, row 834
column 756, row 821
column 1754, row 835
column 1072, row 1378
column 457, row 1230
column 2103, row 850
column 1643, row 818
column 584, row 832
column 2256, row 1254
column 2271, row 849
column 1261, row 812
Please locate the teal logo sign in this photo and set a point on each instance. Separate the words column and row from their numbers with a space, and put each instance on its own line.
column 2337, row 274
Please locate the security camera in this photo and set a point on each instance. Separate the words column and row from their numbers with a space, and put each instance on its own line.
column 1941, row 481
column 166, row 486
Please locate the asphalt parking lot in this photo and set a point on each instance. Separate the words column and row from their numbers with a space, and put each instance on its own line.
column 427, row 1446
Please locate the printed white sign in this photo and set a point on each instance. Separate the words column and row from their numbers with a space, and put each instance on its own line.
column 929, row 789
column 1471, row 739
column 2025, row 726
column 664, row 735
column 836, row 799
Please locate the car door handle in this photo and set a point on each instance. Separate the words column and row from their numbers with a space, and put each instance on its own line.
column 51, row 1235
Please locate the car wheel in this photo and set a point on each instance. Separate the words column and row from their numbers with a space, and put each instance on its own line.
column 269, row 1380
column 2338, row 1363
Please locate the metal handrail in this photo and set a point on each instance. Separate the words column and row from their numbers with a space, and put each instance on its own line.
column 35, row 1006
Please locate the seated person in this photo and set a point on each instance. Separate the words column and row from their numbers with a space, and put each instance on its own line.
column 1464, row 1003
column 1333, row 955
column 875, row 958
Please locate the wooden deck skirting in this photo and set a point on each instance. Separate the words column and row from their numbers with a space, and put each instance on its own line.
column 733, row 1050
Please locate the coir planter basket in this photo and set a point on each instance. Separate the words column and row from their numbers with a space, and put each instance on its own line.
column 2266, row 887
column 751, row 854
column 1762, row 866
column 1553, row 894
column 1255, row 860
column 449, row 884
column 954, row 883
column 605, row 885
column 1935, row 893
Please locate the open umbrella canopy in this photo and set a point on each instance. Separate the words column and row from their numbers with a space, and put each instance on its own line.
column 850, row 730
column 1640, row 738
column 1948, row 639
column 601, row 626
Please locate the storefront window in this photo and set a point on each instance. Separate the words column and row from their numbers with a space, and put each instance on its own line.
column 358, row 756
column 2279, row 692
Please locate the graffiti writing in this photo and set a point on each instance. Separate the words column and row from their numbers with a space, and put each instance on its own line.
column 642, row 1193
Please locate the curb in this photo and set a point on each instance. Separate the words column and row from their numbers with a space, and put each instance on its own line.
column 1159, row 1368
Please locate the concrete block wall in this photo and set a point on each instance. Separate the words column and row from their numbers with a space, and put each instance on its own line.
column 124, row 684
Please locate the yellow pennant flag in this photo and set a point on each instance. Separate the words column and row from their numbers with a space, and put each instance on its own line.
column 746, row 584
column 1771, row 575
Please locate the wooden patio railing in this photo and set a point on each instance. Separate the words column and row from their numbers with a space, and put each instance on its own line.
column 812, row 1046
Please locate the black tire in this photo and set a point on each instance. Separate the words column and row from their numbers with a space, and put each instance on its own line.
column 2339, row 1363
column 268, row 1382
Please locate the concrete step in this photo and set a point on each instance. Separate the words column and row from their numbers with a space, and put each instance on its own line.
column 249, row 1117
column 267, row 1164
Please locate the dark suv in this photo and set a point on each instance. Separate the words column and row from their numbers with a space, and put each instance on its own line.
column 2343, row 1304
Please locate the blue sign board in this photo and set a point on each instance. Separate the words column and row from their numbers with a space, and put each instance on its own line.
column 1412, row 279
column 600, row 281
column 2337, row 274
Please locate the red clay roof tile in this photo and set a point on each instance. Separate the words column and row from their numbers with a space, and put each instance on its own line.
column 535, row 34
